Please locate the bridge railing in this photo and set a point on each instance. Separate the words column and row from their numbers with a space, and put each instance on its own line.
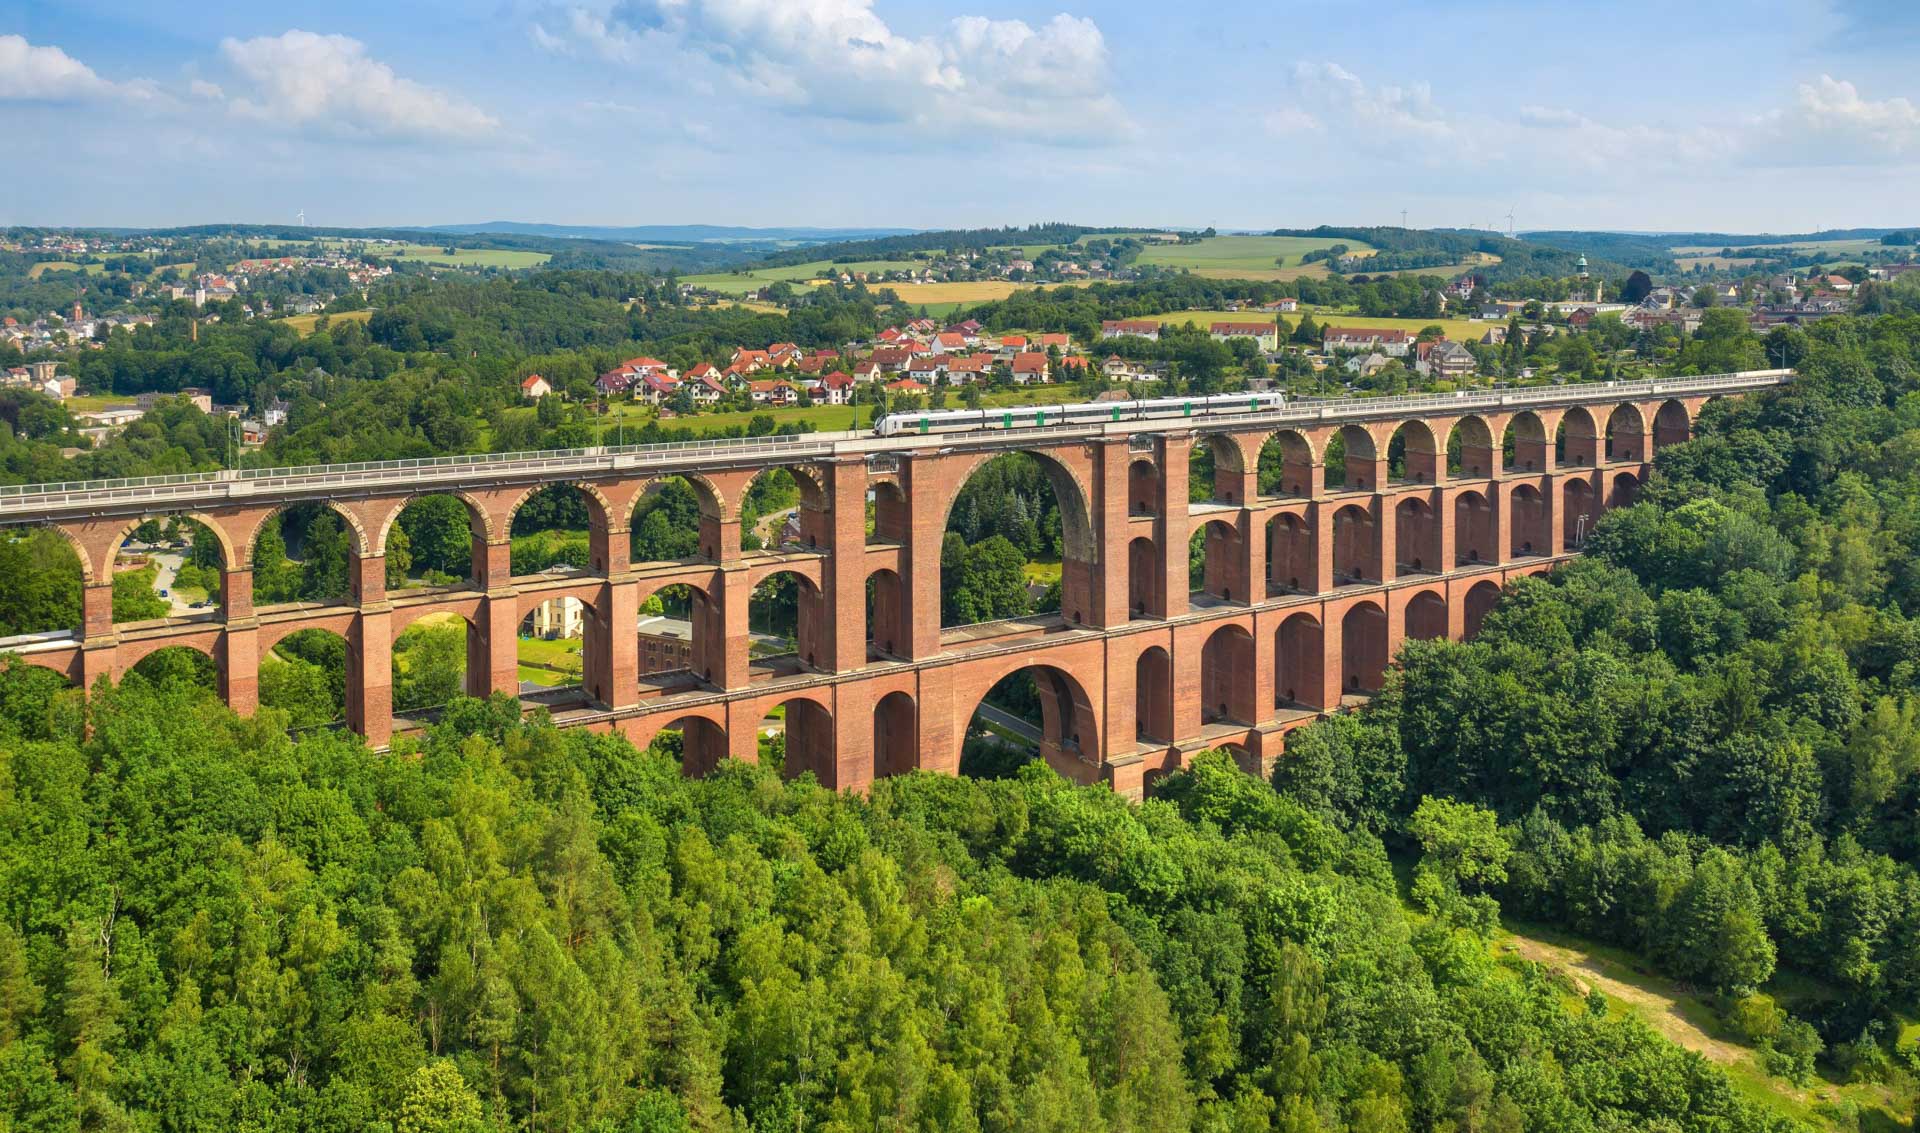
column 213, row 487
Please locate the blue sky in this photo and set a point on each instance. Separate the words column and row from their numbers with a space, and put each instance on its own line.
column 1758, row 115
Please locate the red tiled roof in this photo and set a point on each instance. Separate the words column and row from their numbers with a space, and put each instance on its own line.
column 1030, row 362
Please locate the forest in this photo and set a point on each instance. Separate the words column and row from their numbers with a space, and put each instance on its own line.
column 207, row 925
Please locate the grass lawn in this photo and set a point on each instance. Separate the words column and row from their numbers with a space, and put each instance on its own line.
column 94, row 402
column 1459, row 330
column 189, row 594
column 307, row 324
column 824, row 418
column 1043, row 572
column 563, row 652
column 45, row 266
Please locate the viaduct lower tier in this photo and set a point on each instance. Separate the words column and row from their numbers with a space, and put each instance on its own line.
column 1326, row 544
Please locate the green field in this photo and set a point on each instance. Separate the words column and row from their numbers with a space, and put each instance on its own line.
column 1459, row 330
column 306, row 324
column 739, row 283
column 91, row 403
column 1247, row 257
column 469, row 257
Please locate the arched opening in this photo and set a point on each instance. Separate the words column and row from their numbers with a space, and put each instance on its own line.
column 552, row 532
column 1527, row 532
column 1626, row 434
column 1144, row 599
column 1216, row 562
column 1576, row 512
column 1351, row 464
column 1426, row 616
column 1413, row 456
column 1524, row 444
column 675, row 520
column 434, row 541
column 41, row 579
column 896, row 741
column 888, row 520
column 786, row 614
column 783, row 508
column 432, row 664
column 1470, row 451
column 1018, row 542
column 1480, row 600
column 886, row 616
column 1227, row 677
column 1363, row 649
column 696, row 742
column 1671, row 426
column 1626, row 489
column 167, row 567
column 1576, row 441
column 1356, row 546
column 552, row 644
column 306, row 674
column 303, row 553
column 176, row 668
column 798, row 735
column 1286, row 465
column 1416, row 538
column 1473, row 533
column 1153, row 696
column 1299, row 674
column 1214, row 474
column 1143, row 488
column 680, row 638
column 1039, row 710
column 1292, row 564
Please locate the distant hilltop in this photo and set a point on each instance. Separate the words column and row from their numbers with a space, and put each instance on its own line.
column 666, row 233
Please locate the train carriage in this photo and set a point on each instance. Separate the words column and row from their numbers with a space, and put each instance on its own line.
column 1082, row 413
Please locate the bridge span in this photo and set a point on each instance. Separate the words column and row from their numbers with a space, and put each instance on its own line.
column 1315, row 570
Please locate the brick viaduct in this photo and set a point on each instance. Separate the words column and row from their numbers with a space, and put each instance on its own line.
column 1309, row 587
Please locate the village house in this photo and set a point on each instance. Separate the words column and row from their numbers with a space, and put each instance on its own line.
column 1266, row 336
column 1444, row 359
column 534, row 387
column 1367, row 365
column 1134, row 328
column 1282, row 306
column 1391, row 341
column 1029, row 367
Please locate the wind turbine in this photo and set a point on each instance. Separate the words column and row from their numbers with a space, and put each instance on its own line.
column 301, row 220
column 1509, row 222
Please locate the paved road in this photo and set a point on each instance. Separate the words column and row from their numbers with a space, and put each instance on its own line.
column 1007, row 720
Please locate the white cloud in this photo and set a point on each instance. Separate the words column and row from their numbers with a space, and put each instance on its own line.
column 1290, row 120
column 329, row 83
column 1830, row 120
column 840, row 59
column 1394, row 109
column 48, row 74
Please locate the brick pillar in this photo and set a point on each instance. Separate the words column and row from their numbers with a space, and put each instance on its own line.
column 1497, row 522
column 940, row 733
column 853, row 725
column 1176, row 525
column 734, row 593
column 240, row 666
column 1386, row 522
column 493, row 647
column 99, row 642
column 370, row 676
column 743, row 732
column 1254, row 536
column 1266, row 662
column 1332, row 659
column 492, row 565
column 612, row 647
column 1443, row 517
column 367, row 578
column 1321, row 578
column 927, row 501
column 1108, row 598
column 1550, row 493
column 236, row 594
column 844, row 594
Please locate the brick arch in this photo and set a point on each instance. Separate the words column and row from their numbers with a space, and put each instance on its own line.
column 202, row 518
column 478, row 519
column 1363, row 647
column 131, row 653
column 1069, row 487
column 596, row 499
column 1077, row 716
column 705, row 744
column 1578, row 435
column 1228, row 677
column 362, row 542
column 1153, row 695
column 89, row 570
column 1479, row 454
column 885, row 611
column 1299, row 661
column 1627, row 433
column 1362, row 450
column 1425, row 616
column 812, row 617
column 273, row 633
column 1230, row 463
column 1480, row 600
column 1423, row 459
column 1299, row 457
column 896, row 734
column 1531, row 438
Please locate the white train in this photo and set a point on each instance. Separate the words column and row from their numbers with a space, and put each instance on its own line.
column 1042, row 416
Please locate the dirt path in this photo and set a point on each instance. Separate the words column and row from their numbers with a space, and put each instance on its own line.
column 1654, row 1004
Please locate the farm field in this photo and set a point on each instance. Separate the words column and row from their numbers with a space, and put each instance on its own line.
column 306, row 324
column 94, row 402
column 45, row 266
column 470, row 257
column 1459, row 330
column 1247, row 257
column 1824, row 247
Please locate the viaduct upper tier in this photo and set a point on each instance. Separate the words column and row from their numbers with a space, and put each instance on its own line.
column 1335, row 530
